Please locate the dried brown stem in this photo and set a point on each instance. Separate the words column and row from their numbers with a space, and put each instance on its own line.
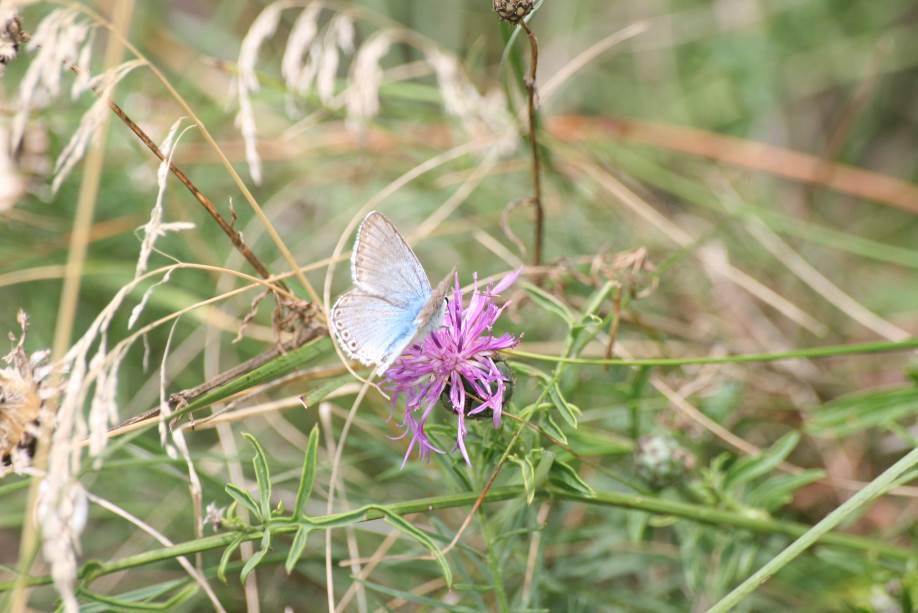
column 534, row 144
column 234, row 235
column 794, row 165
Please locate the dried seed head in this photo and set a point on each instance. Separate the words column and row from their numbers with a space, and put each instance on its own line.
column 22, row 399
column 632, row 271
column 513, row 11
column 12, row 37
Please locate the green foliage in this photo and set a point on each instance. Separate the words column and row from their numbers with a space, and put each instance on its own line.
column 308, row 476
column 863, row 411
column 720, row 143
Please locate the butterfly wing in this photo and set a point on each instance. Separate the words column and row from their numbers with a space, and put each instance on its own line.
column 390, row 303
column 373, row 329
column 384, row 265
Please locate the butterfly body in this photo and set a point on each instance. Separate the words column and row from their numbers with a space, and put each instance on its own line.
column 391, row 304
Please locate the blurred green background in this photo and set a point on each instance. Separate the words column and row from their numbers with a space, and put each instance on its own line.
column 834, row 80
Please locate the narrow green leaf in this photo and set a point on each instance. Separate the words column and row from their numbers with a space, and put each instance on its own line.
column 553, row 430
column 526, row 369
column 308, row 476
column 858, row 412
column 280, row 366
column 591, row 442
column 543, row 460
column 136, row 604
column 563, row 475
column 549, row 303
column 140, row 600
column 411, row 530
column 226, row 557
column 527, row 472
column 750, row 467
column 776, row 491
column 257, row 557
column 244, row 498
column 262, row 475
column 595, row 301
column 569, row 411
column 297, row 548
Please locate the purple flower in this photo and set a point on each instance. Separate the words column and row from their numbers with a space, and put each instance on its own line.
column 457, row 358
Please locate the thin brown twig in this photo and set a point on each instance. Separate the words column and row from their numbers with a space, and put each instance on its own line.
column 228, row 228
column 534, row 144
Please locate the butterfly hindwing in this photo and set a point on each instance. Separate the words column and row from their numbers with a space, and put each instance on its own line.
column 371, row 329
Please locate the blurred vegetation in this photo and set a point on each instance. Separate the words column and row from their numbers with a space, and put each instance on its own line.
column 832, row 79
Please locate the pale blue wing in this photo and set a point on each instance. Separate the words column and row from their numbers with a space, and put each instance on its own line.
column 392, row 302
column 383, row 264
column 373, row 329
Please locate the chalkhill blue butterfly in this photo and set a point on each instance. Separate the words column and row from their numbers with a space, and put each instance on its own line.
column 392, row 303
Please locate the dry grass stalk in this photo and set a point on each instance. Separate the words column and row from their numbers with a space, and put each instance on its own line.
column 298, row 66
column 366, row 79
column 74, row 151
column 313, row 58
column 12, row 184
column 58, row 42
column 155, row 228
column 481, row 116
column 339, row 36
column 247, row 84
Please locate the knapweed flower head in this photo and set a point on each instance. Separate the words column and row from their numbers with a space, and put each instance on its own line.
column 458, row 361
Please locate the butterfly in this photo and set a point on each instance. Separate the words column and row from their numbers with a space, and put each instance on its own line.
column 392, row 304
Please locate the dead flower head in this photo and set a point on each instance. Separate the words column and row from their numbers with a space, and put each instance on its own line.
column 513, row 11
column 632, row 271
column 22, row 402
column 12, row 37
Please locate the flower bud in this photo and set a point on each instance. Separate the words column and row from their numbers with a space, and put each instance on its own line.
column 660, row 461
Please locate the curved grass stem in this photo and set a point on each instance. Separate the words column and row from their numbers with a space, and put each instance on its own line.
column 720, row 518
column 807, row 353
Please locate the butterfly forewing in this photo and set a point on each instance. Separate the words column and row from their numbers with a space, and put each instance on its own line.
column 384, row 265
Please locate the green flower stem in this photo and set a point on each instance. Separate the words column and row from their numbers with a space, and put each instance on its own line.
column 819, row 532
column 659, row 506
column 812, row 352
column 728, row 518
